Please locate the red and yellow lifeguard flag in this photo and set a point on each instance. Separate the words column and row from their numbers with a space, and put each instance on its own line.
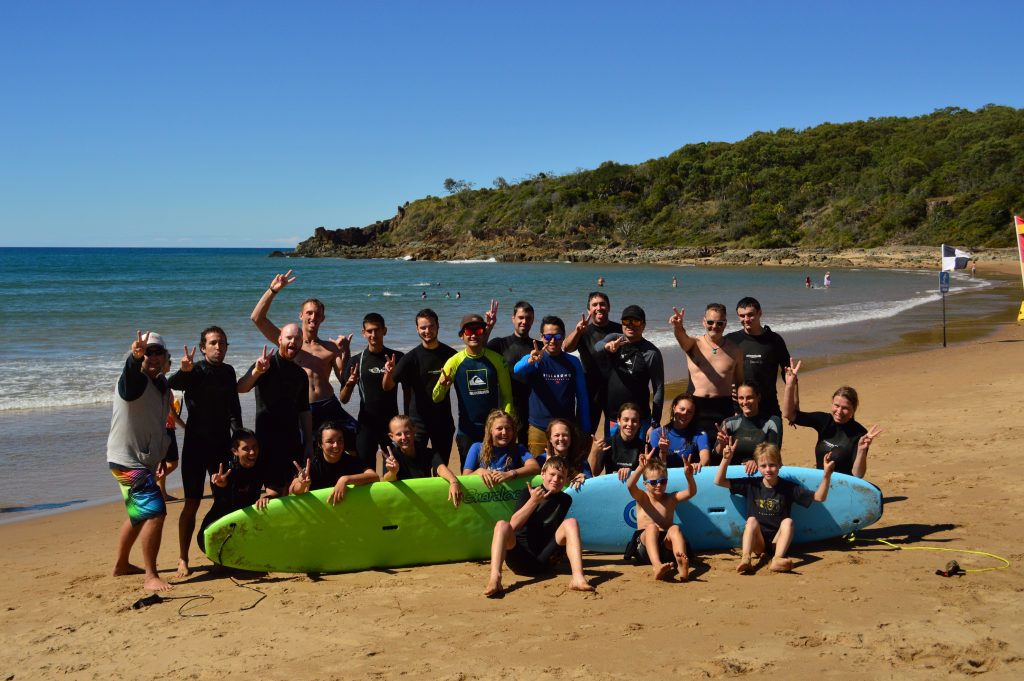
column 1018, row 222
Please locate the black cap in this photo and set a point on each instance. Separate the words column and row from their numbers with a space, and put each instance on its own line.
column 633, row 312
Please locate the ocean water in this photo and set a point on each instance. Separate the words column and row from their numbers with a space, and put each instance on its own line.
column 69, row 315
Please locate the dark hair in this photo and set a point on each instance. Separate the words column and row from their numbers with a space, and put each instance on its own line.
column 373, row 318
column 240, row 435
column 750, row 384
column 598, row 294
column 748, row 302
column 717, row 307
column 524, row 306
column 315, row 301
column 684, row 396
column 553, row 321
column 209, row 330
column 628, row 406
column 427, row 313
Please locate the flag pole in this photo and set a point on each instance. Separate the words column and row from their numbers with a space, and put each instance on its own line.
column 1018, row 223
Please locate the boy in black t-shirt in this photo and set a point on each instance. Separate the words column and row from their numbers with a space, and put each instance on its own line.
column 769, row 503
column 333, row 465
column 240, row 485
column 538, row 533
column 408, row 458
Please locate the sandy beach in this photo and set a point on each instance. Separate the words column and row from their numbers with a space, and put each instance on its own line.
column 849, row 611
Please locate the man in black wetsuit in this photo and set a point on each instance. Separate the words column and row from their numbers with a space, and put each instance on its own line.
column 367, row 370
column 214, row 413
column 593, row 327
column 637, row 370
column 765, row 356
column 284, row 425
column 513, row 348
column 418, row 372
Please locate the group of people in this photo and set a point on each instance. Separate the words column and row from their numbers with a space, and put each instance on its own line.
column 525, row 406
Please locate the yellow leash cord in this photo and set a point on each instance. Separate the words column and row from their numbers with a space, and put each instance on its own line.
column 852, row 538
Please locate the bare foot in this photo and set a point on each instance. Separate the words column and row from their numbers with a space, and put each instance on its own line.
column 781, row 565
column 581, row 585
column 745, row 567
column 662, row 571
column 494, row 589
column 683, row 567
column 183, row 569
column 127, row 569
column 156, row 584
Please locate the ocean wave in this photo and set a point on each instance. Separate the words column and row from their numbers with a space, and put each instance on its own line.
column 471, row 261
column 421, row 283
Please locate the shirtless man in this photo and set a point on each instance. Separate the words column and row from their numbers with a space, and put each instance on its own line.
column 715, row 364
column 317, row 357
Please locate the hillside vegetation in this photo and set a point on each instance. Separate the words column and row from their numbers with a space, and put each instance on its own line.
column 953, row 176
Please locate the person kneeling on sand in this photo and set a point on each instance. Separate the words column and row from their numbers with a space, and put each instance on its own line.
column 538, row 534
column 333, row 464
column 769, row 503
column 657, row 539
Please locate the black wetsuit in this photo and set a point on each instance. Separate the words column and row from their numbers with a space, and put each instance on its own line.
column 636, row 370
column 513, row 348
column 323, row 474
column 422, row 464
column 596, row 366
column 214, row 413
column 244, row 487
column 282, row 397
column 622, row 454
column 536, row 551
column 377, row 406
column 839, row 439
column 765, row 358
column 752, row 431
column 418, row 372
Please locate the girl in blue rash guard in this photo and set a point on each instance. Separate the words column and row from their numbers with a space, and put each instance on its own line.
column 564, row 440
column 681, row 441
column 499, row 458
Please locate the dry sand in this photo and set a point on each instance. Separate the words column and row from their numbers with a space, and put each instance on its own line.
column 850, row 611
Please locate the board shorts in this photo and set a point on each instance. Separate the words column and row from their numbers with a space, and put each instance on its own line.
column 636, row 550
column 523, row 561
column 330, row 409
column 143, row 499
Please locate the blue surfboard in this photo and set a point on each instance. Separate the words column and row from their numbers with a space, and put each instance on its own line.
column 714, row 518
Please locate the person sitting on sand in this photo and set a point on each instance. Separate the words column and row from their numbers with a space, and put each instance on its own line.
column 237, row 486
column 499, row 458
column 333, row 464
column 839, row 434
column 622, row 454
column 539, row 534
column 748, row 428
column 407, row 458
column 658, row 541
column 769, row 503
column 564, row 440
column 681, row 442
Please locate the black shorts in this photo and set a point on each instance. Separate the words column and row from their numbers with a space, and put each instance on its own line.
column 199, row 461
column 330, row 409
column 636, row 550
column 523, row 561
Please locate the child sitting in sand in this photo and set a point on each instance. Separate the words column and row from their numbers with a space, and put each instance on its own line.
column 538, row 533
column 658, row 540
column 769, row 503
column 499, row 458
column 404, row 459
column 621, row 455
column 332, row 465
column 239, row 486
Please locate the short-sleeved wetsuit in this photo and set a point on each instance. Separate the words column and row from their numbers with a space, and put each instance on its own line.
column 376, row 406
column 418, row 372
column 752, row 431
column 765, row 358
column 683, row 446
column 214, row 412
column 282, row 396
column 770, row 505
column 840, row 439
column 481, row 383
column 536, row 550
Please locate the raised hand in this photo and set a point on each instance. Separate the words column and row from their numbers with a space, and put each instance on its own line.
column 389, row 364
column 868, row 438
column 537, row 352
column 343, row 343
column 263, row 363
column 281, row 280
column 302, row 475
column 792, row 370
column 220, row 478
column 537, row 494
column 663, row 442
column 187, row 363
column 830, row 465
column 722, row 438
column 676, row 320
column 353, row 376
column 645, row 457
column 613, row 346
column 390, row 462
column 139, row 345
column 729, row 448
column 690, row 468
column 491, row 316
column 584, row 322
column 444, row 379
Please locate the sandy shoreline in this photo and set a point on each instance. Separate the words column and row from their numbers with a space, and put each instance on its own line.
column 850, row 611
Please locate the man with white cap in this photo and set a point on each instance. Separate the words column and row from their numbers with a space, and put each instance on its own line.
column 136, row 447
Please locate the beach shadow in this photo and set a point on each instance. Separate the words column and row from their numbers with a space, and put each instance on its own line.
column 893, row 500
column 596, row 579
column 538, row 579
column 698, row 568
column 801, row 559
column 211, row 573
column 907, row 533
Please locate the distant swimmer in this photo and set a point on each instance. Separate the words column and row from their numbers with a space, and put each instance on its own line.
column 807, row 283
column 828, row 280
column 447, row 294
column 316, row 356
column 675, row 284
column 458, row 295
column 423, row 295
column 600, row 281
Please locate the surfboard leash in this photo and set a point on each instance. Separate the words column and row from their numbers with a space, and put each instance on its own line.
column 952, row 567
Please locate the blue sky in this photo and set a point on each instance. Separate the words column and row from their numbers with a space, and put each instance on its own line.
column 251, row 123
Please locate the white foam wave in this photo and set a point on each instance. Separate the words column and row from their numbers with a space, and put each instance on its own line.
column 389, row 294
column 421, row 283
column 471, row 260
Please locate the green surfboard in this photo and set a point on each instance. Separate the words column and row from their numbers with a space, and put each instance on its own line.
column 376, row 526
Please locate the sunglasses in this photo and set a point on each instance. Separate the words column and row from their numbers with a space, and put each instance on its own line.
column 659, row 481
column 473, row 331
column 154, row 351
column 552, row 336
column 715, row 324
column 632, row 323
